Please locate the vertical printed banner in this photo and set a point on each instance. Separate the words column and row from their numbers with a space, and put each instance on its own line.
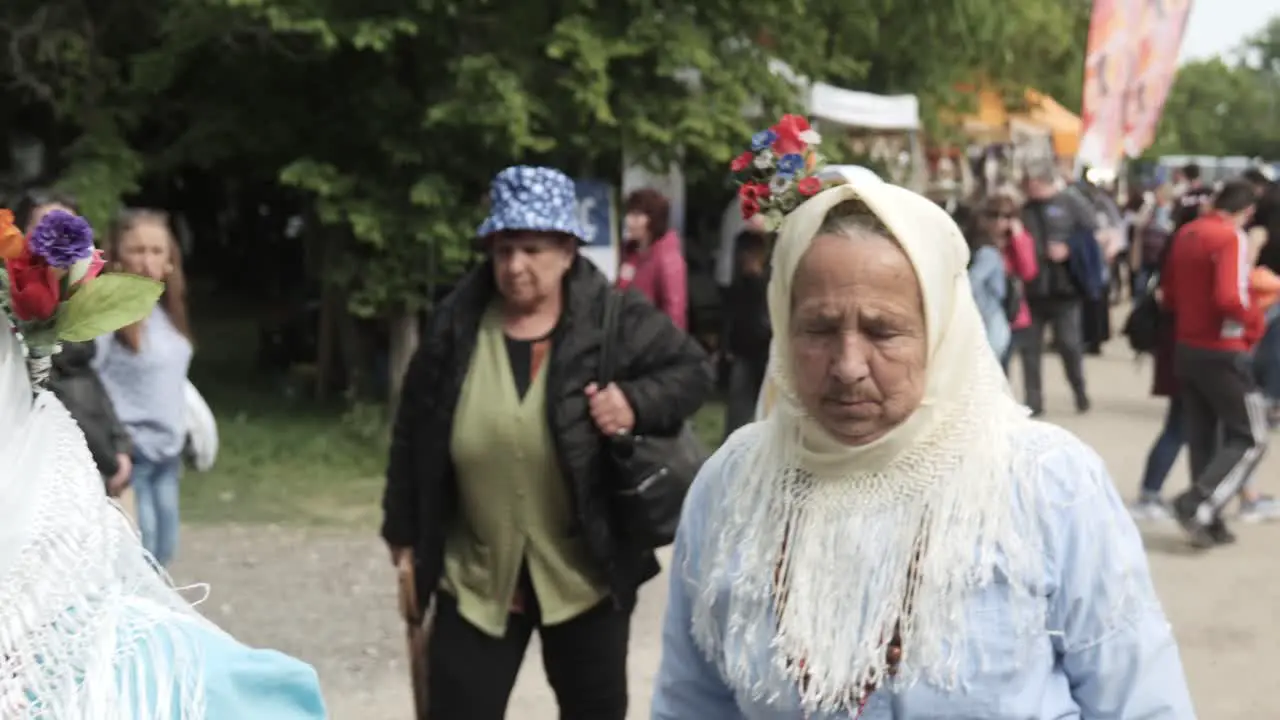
column 1109, row 59
column 1158, row 47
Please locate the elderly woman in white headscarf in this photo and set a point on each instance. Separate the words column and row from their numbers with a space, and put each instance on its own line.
column 897, row 539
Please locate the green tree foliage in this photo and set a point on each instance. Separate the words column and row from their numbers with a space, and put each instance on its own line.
column 1226, row 106
column 390, row 116
column 941, row 50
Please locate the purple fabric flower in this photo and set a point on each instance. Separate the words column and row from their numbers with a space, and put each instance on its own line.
column 62, row 239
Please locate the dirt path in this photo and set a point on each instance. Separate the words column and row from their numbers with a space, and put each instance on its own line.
column 327, row 597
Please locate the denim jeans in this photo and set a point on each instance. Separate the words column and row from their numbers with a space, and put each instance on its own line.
column 1164, row 453
column 155, row 487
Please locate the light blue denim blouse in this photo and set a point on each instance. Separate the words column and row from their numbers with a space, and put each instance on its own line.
column 146, row 387
column 987, row 278
column 1083, row 671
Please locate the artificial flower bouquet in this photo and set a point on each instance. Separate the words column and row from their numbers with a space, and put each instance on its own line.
column 51, row 289
column 780, row 171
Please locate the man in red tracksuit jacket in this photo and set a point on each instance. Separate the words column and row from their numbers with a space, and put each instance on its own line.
column 1205, row 285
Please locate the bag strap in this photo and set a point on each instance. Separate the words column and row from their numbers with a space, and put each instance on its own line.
column 612, row 306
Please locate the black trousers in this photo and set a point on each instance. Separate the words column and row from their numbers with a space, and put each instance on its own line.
column 1226, row 424
column 1095, row 322
column 471, row 674
column 1064, row 317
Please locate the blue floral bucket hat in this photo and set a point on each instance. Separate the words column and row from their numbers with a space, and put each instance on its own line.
column 540, row 199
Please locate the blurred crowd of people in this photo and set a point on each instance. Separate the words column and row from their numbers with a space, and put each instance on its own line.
column 1059, row 254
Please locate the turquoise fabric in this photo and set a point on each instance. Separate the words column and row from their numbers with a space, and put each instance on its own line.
column 242, row 683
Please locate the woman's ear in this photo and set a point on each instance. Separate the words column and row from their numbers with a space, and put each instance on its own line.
column 570, row 251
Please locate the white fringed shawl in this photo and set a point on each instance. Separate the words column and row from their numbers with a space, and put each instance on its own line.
column 89, row 628
column 852, row 519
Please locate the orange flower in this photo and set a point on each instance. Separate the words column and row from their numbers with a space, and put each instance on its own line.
column 12, row 243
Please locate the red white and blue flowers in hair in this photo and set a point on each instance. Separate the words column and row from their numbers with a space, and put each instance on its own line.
column 780, row 171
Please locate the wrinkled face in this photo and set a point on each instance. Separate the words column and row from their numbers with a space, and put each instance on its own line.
column 858, row 344
column 39, row 211
column 146, row 250
column 528, row 266
column 636, row 227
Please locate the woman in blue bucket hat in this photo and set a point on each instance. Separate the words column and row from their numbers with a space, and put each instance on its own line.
column 495, row 484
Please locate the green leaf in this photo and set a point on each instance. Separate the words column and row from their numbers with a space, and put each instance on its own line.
column 106, row 304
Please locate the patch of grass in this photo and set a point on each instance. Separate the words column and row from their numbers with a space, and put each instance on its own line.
column 708, row 424
column 298, row 463
column 292, row 465
column 281, row 459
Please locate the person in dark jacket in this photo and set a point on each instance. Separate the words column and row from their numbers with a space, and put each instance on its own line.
column 1173, row 436
column 747, row 330
column 77, row 385
column 497, row 480
column 1103, row 245
column 1054, row 218
column 1193, row 198
column 1264, row 233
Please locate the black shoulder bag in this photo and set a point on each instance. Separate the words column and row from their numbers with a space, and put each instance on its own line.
column 651, row 474
column 1013, row 294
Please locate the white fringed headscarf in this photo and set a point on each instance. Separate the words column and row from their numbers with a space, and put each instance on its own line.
column 936, row 491
column 89, row 628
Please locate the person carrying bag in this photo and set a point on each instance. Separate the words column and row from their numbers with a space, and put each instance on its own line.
column 500, row 487
column 653, row 472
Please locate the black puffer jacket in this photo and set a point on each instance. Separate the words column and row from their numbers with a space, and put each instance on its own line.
column 77, row 385
column 662, row 371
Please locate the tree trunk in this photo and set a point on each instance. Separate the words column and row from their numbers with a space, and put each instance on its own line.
column 354, row 346
column 404, row 337
column 326, row 339
column 319, row 249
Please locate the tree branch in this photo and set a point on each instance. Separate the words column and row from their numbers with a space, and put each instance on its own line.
column 18, row 35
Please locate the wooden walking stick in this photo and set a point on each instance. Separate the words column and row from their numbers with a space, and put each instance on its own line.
column 416, row 630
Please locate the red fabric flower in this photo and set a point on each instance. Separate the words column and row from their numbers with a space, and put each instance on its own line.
column 788, row 131
column 753, row 191
column 809, row 186
column 742, row 162
column 33, row 288
column 749, row 197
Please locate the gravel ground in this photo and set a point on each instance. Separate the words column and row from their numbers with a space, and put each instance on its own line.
column 328, row 596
